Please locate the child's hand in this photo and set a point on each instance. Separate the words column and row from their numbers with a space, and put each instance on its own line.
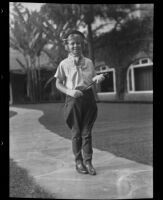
column 74, row 93
column 98, row 78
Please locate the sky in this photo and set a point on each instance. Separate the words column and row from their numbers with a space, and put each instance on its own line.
column 30, row 6
column 33, row 6
column 37, row 6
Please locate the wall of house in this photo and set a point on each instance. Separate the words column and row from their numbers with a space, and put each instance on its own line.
column 143, row 97
column 139, row 85
column 137, row 97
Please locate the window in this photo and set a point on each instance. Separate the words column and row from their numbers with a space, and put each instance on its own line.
column 143, row 61
column 130, row 81
column 108, row 85
column 103, row 68
column 143, row 78
column 140, row 76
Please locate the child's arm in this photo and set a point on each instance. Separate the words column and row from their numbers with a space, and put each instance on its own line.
column 97, row 79
column 62, row 88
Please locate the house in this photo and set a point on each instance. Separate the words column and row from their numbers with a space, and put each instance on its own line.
column 139, row 73
column 139, row 77
column 18, row 78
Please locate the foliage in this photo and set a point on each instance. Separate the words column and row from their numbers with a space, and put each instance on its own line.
column 73, row 16
column 62, row 17
column 118, row 47
column 29, row 40
column 58, row 19
column 32, row 31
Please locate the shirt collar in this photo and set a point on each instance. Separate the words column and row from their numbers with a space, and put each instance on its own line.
column 72, row 57
column 81, row 59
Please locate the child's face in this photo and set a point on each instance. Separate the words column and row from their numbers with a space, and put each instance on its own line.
column 74, row 44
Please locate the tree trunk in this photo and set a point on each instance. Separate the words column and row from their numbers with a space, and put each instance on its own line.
column 118, row 83
column 32, row 85
column 90, row 42
column 35, row 85
column 121, row 82
column 39, row 80
column 29, row 85
column 34, row 81
column 28, row 89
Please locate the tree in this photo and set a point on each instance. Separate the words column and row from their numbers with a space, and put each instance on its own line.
column 29, row 40
column 71, row 16
column 66, row 16
column 57, row 20
column 119, row 47
column 88, row 13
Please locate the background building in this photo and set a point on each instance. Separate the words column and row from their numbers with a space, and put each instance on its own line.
column 137, row 70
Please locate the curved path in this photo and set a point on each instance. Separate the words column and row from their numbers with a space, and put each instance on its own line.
column 48, row 158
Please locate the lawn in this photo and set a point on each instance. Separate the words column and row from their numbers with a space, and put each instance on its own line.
column 124, row 129
column 23, row 186
column 12, row 113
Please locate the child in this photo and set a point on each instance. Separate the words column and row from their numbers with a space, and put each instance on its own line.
column 74, row 74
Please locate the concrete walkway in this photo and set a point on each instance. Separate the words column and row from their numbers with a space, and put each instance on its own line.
column 48, row 158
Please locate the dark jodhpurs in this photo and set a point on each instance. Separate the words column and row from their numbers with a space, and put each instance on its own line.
column 80, row 115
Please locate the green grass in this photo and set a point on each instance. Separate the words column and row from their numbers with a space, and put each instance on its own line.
column 23, row 186
column 124, row 129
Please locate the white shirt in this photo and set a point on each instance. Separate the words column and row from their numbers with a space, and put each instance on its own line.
column 76, row 75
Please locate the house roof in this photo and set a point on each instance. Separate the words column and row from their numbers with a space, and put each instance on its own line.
column 141, row 54
column 15, row 66
column 13, row 54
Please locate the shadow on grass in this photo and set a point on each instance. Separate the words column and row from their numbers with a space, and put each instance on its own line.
column 12, row 113
column 23, row 186
column 122, row 129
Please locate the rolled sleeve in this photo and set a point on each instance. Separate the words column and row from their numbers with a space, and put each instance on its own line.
column 93, row 69
column 60, row 73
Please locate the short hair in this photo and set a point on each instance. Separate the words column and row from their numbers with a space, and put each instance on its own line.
column 74, row 32
column 70, row 33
